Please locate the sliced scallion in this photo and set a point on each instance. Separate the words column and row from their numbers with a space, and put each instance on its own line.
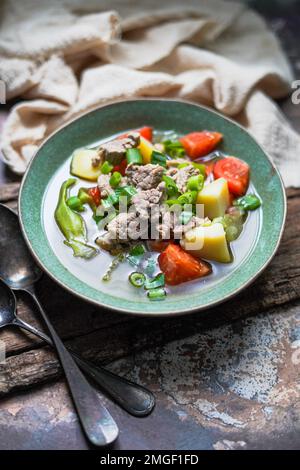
column 174, row 148
column 106, row 168
column 250, row 202
column 188, row 198
column 171, row 187
column 126, row 191
column 137, row 279
column 157, row 294
column 157, row 281
column 115, row 179
column 137, row 250
column 134, row 156
column 158, row 158
column 195, row 183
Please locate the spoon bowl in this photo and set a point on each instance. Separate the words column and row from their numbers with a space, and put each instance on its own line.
column 8, row 305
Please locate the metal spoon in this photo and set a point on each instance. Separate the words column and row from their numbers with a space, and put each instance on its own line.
column 19, row 271
column 98, row 425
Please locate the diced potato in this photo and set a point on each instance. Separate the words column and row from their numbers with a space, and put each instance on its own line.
column 215, row 197
column 146, row 149
column 208, row 242
column 81, row 164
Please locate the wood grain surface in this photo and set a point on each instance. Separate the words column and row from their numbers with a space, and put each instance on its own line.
column 103, row 336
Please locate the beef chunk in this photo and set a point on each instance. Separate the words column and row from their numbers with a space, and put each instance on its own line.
column 121, row 228
column 181, row 176
column 144, row 200
column 144, row 177
column 119, row 232
column 114, row 151
column 127, row 227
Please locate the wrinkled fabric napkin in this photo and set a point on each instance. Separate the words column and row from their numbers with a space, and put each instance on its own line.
column 65, row 57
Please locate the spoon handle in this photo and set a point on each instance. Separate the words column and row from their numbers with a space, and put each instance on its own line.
column 98, row 425
column 134, row 398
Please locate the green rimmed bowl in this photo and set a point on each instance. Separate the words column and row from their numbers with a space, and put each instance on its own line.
column 261, row 239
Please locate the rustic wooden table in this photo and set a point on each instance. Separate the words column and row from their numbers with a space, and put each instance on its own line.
column 228, row 378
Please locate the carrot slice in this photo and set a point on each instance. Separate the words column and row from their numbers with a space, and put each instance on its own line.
column 199, row 144
column 146, row 132
column 236, row 172
column 179, row 266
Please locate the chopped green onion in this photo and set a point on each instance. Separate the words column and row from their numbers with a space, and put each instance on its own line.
column 195, row 183
column 188, row 198
column 158, row 158
column 174, row 148
column 115, row 179
column 137, row 279
column 172, row 190
column 185, row 217
column 106, row 203
column 110, row 201
column 158, row 281
column 137, row 250
column 127, row 191
column 134, row 156
column 157, row 294
column 136, row 255
column 75, row 203
column 250, row 202
column 106, row 168
column 113, row 198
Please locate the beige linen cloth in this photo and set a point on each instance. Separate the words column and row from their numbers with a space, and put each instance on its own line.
column 67, row 57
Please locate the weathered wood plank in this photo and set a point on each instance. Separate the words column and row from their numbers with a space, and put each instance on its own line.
column 104, row 336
